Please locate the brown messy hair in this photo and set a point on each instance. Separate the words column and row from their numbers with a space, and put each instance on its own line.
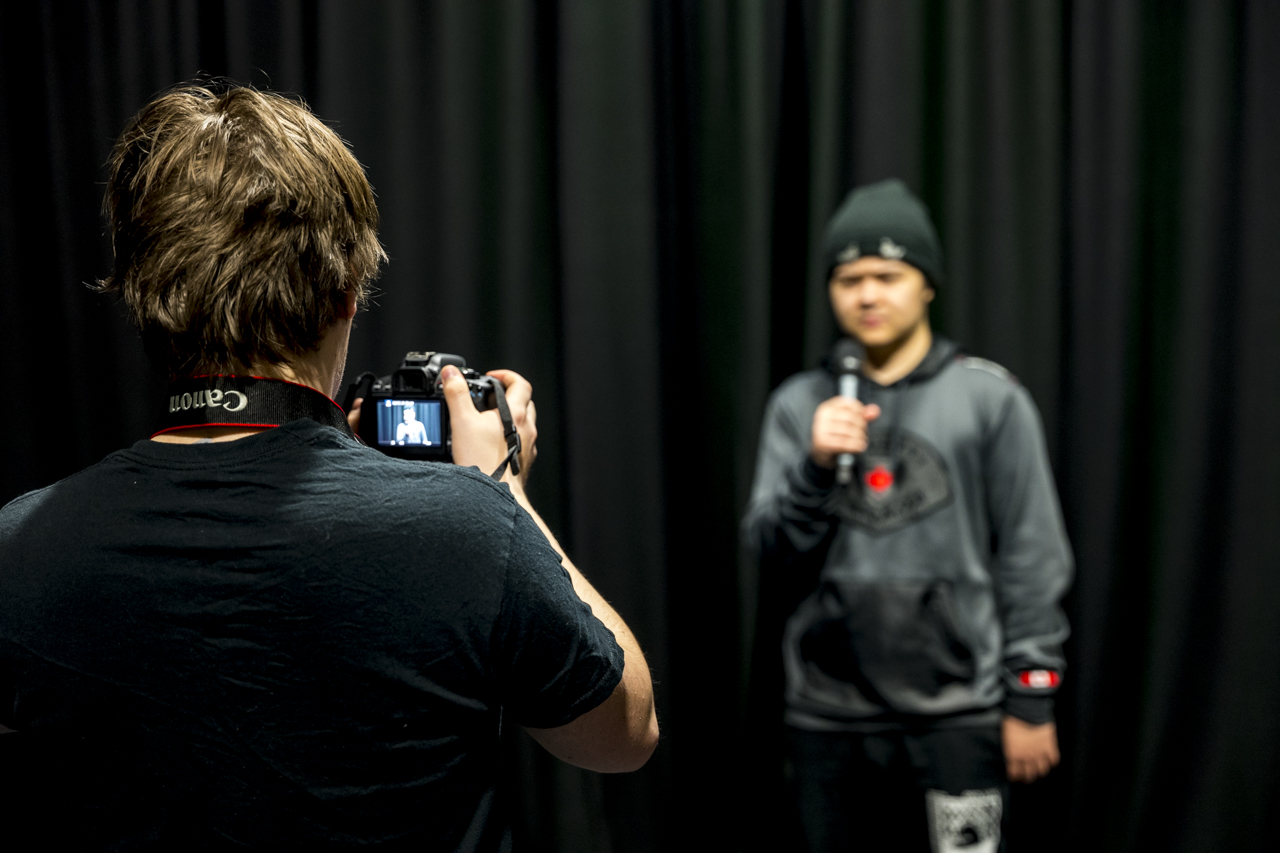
column 239, row 223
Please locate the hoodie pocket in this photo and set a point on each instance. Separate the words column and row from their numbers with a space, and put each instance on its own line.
column 897, row 643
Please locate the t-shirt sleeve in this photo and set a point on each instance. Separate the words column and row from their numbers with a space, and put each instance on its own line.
column 553, row 658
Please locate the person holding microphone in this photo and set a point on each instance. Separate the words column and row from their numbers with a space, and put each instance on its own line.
column 908, row 487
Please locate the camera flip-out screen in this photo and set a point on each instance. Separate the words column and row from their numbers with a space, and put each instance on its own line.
column 409, row 423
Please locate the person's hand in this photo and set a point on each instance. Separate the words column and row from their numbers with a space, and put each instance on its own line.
column 477, row 436
column 1030, row 751
column 525, row 416
column 839, row 426
column 353, row 416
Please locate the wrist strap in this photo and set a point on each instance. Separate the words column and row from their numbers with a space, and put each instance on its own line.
column 508, row 430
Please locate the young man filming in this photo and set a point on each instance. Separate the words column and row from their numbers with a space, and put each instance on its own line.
column 251, row 630
column 920, row 667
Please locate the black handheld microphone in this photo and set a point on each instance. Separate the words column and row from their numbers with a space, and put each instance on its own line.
column 846, row 360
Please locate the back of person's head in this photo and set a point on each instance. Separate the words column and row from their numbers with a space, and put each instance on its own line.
column 239, row 224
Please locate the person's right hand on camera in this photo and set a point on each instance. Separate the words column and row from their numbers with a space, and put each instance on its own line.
column 840, row 426
column 478, row 438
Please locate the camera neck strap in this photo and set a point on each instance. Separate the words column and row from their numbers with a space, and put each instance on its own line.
column 246, row 401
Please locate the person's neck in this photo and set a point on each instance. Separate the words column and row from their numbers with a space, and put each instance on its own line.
column 887, row 364
column 320, row 369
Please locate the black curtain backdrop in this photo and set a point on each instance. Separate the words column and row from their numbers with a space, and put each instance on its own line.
column 622, row 201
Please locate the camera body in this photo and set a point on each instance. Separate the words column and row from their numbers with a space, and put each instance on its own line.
column 405, row 415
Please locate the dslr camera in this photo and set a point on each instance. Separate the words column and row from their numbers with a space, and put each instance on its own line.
column 405, row 415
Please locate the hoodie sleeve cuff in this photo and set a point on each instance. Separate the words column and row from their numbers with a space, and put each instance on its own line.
column 1035, row 710
column 821, row 478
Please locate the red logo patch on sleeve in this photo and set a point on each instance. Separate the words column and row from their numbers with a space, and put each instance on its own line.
column 1040, row 678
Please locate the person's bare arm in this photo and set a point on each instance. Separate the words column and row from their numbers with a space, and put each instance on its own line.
column 621, row 733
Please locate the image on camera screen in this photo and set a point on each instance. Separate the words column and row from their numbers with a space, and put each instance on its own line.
column 409, row 422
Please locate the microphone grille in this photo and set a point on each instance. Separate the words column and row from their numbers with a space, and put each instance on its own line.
column 846, row 356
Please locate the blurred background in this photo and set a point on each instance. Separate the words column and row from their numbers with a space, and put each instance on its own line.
column 622, row 201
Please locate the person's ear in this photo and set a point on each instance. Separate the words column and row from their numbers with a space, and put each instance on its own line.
column 928, row 293
column 352, row 302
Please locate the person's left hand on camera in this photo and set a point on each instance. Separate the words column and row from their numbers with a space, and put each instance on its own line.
column 477, row 436
column 353, row 416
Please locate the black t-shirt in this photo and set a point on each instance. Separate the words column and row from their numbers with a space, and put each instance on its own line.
column 287, row 640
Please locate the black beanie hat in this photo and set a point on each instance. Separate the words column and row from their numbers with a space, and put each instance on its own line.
column 883, row 219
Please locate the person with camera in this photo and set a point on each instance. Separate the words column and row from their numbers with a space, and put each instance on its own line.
column 903, row 492
column 253, row 630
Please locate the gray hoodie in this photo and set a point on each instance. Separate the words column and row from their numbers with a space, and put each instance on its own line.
column 937, row 602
